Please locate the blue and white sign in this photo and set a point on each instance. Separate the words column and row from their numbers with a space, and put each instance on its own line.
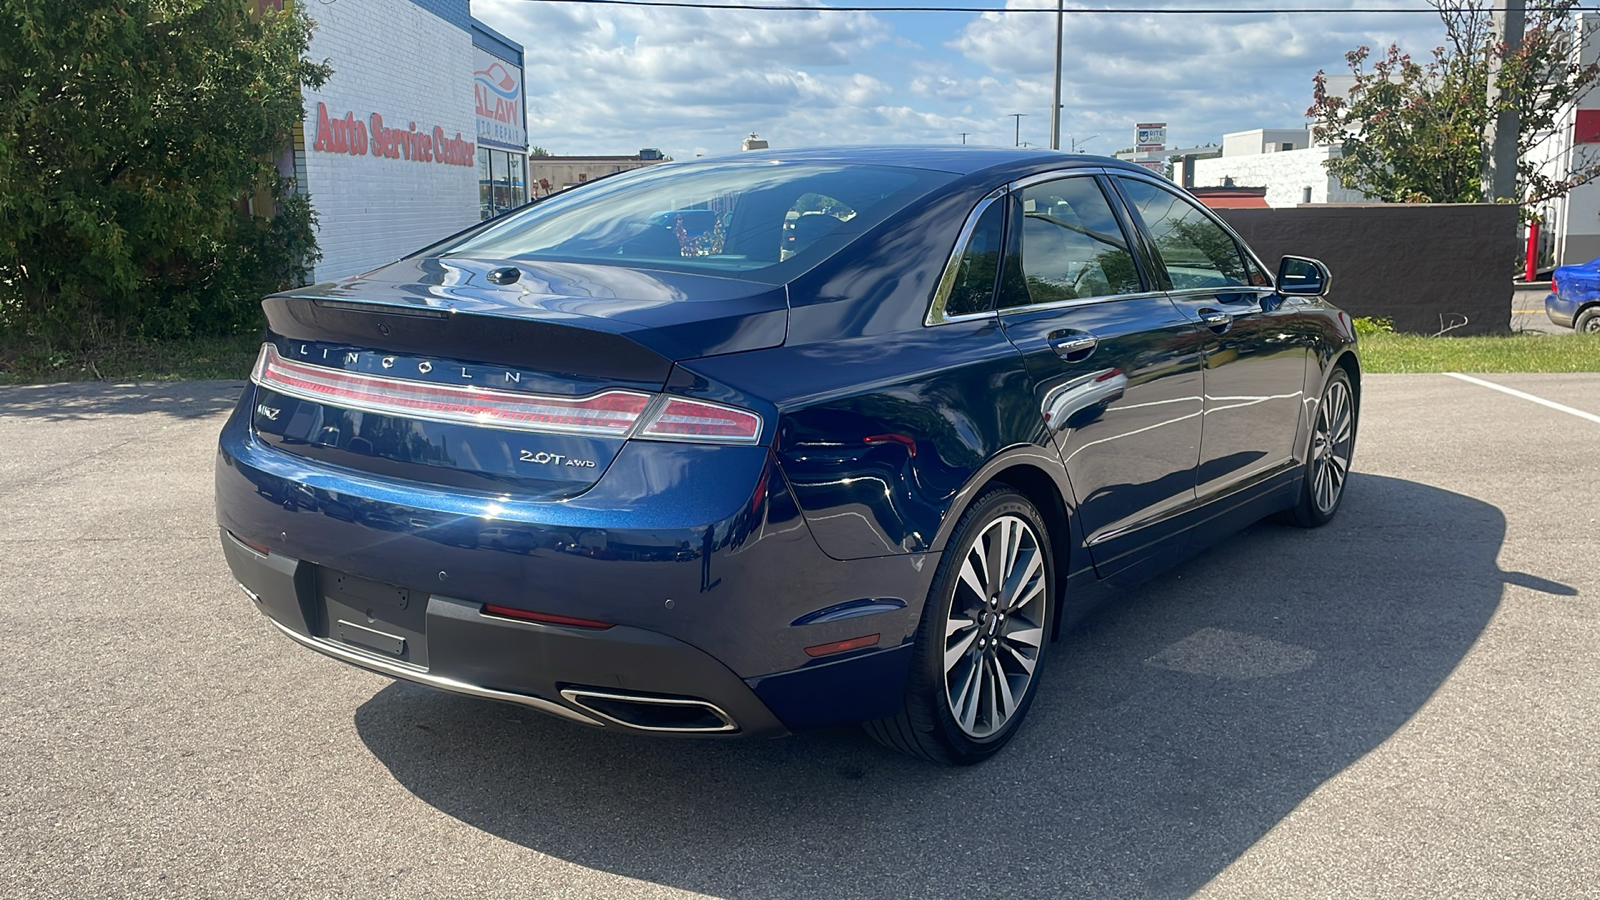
column 1150, row 136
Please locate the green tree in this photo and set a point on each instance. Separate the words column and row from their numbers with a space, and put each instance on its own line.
column 135, row 137
column 1414, row 131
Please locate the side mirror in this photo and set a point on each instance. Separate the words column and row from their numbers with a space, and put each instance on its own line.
column 1303, row 277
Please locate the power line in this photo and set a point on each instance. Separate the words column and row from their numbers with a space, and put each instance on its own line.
column 1095, row 11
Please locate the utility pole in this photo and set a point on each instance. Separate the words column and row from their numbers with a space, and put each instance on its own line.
column 964, row 137
column 1018, row 116
column 1500, row 158
column 1055, row 108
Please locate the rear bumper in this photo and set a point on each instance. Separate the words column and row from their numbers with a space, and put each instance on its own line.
column 713, row 590
column 1560, row 310
column 550, row 668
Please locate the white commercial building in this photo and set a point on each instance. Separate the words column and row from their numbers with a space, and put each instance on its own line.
column 1265, row 140
column 419, row 133
column 1283, row 161
column 1571, row 224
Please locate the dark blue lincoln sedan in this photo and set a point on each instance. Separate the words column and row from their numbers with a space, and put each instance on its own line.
column 751, row 445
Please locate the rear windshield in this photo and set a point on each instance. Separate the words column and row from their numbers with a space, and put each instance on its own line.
column 766, row 219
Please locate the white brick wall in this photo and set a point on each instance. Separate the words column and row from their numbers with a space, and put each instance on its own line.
column 408, row 65
column 1285, row 175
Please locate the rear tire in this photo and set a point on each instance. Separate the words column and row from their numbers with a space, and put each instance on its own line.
column 984, row 632
column 1327, row 469
column 1588, row 321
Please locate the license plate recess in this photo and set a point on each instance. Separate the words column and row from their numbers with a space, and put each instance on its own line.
column 382, row 619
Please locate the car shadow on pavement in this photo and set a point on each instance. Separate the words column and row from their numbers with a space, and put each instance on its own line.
column 1173, row 729
column 86, row 400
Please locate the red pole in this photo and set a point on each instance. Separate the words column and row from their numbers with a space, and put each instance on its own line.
column 1531, row 271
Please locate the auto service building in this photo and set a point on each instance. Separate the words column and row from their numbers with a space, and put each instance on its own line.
column 420, row 131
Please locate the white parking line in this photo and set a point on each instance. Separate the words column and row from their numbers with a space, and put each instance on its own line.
column 1516, row 393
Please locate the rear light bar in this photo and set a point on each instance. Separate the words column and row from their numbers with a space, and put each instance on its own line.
column 612, row 413
column 695, row 420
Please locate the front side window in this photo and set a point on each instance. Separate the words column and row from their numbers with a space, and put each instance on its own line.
column 1197, row 252
column 1071, row 246
column 732, row 217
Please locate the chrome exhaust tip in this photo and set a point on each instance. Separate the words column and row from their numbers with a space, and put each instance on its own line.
column 675, row 715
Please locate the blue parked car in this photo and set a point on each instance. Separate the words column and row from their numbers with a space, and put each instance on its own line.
column 752, row 445
column 1574, row 300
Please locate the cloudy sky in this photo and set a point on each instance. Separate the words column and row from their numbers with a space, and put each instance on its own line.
column 607, row 79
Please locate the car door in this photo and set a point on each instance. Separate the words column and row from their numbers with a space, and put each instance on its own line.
column 1115, row 365
column 1255, row 355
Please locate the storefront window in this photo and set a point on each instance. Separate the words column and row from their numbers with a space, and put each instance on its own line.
column 517, row 165
column 484, row 206
column 502, row 181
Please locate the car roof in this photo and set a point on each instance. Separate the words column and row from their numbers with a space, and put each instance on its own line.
column 954, row 159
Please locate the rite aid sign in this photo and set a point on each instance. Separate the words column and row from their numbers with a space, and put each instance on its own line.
column 497, row 90
column 1150, row 136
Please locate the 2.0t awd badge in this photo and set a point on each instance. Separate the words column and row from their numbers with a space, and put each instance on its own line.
column 554, row 459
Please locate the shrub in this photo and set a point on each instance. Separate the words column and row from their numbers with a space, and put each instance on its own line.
column 1366, row 325
column 131, row 133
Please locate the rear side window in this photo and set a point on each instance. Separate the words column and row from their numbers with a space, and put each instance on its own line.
column 973, row 289
column 1071, row 245
column 1197, row 252
column 735, row 217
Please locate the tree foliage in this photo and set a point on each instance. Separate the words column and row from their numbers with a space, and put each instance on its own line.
column 1415, row 131
column 132, row 133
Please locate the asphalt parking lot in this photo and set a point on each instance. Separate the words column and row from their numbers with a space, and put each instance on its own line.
column 1402, row 704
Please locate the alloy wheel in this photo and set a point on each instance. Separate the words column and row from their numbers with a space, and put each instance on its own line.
column 995, row 626
column 1330, row 446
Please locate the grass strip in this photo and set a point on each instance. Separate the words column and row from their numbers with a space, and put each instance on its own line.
column 1406, row 353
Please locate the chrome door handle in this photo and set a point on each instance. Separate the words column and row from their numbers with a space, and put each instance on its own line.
column 1215, row 318
column 1073, row 346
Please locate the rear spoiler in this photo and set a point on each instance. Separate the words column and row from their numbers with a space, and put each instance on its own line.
column 588, row 350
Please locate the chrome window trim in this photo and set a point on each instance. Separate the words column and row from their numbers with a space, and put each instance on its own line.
column 937, row 316
column 1080, row 301
column 1221, row 289
column 1272, row 273
column 947, row 279
column 1061, row 175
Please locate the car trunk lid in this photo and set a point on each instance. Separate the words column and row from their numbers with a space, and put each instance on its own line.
column 429, row 370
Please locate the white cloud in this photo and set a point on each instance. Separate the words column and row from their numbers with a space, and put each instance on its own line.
column 614, row 79
column 1203, row 74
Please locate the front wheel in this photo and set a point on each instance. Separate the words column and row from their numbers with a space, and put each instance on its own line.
column 983, row 635
column 1333, row 440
